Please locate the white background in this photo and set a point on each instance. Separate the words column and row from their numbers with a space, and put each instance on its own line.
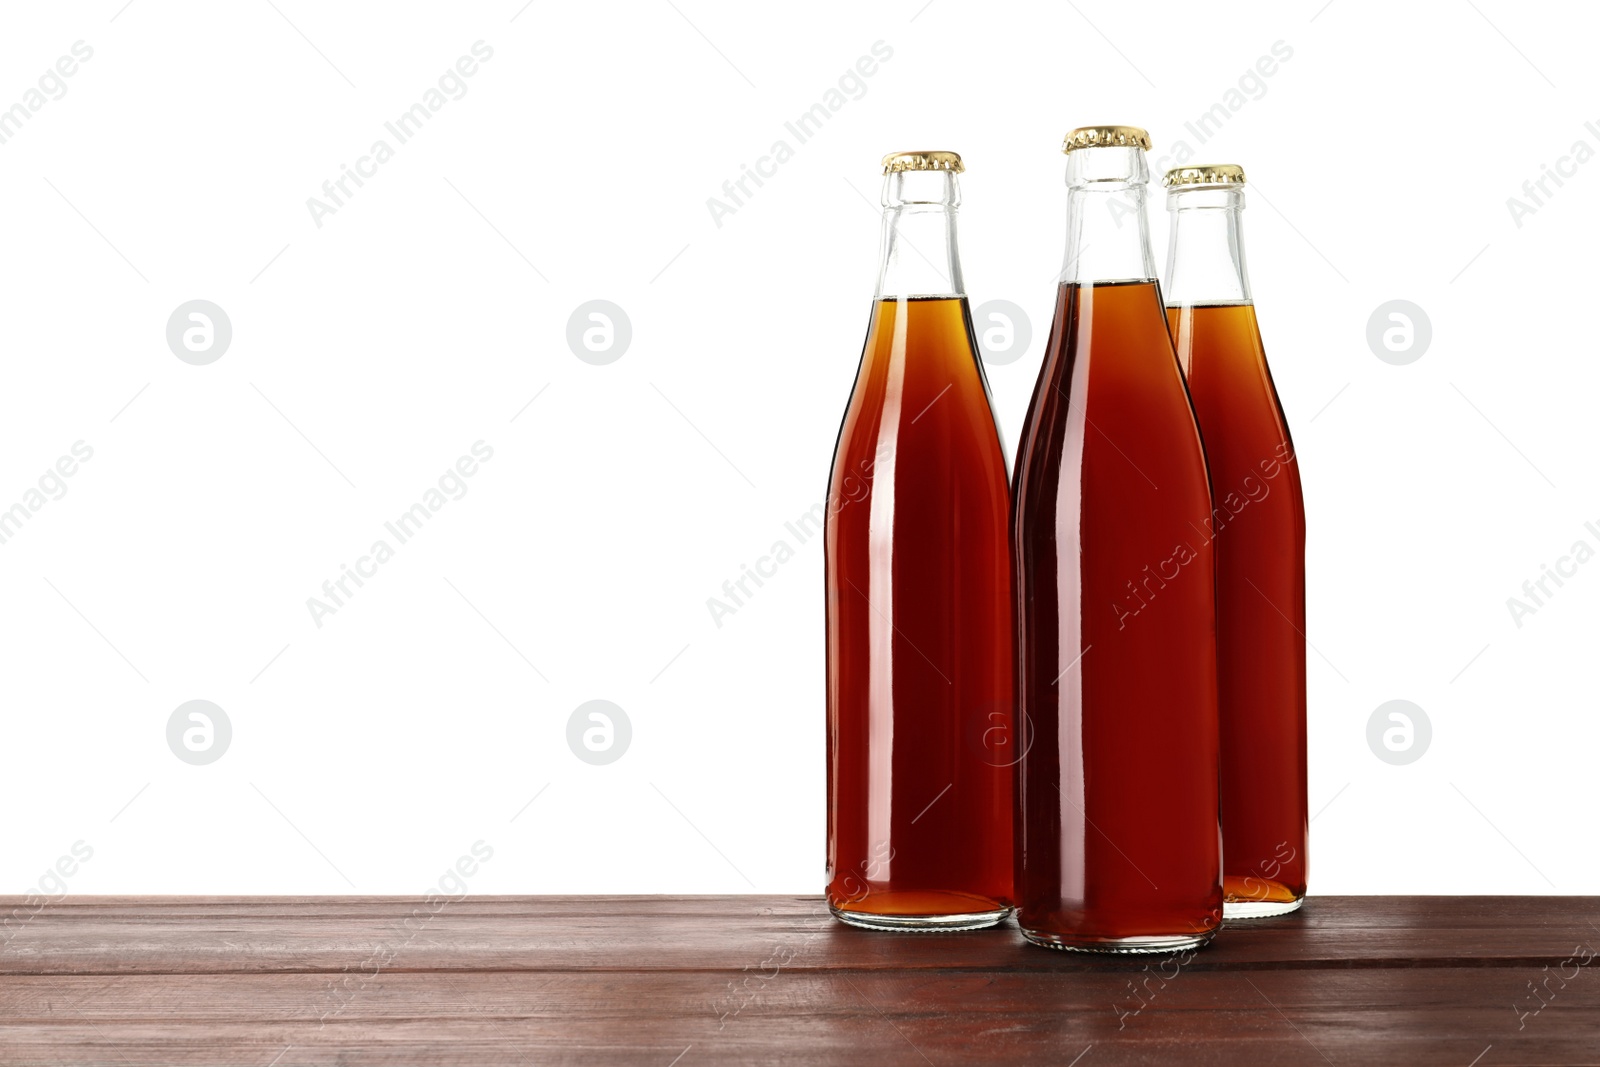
column 368, row 354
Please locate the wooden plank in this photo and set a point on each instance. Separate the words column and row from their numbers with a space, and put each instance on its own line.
column 648, row 980
column 185, row 935
column 1440, row 1015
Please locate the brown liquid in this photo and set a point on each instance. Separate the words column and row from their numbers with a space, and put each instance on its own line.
column 920, row 655
column 1117, row 796
column 1259, row 525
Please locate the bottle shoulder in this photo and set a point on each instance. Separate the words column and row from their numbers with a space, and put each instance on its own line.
column 920, row 409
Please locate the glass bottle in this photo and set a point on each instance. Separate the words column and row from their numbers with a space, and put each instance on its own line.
column 1258, row 523
column 920, row 654
column 1117, row 841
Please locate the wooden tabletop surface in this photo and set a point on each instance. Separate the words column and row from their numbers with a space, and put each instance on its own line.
column 667, row 981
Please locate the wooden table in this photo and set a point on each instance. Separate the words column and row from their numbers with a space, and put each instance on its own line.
column 749, row 980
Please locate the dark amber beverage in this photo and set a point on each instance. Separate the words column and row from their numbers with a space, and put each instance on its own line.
column 1258, row 527
column 919, row 597
column 1118, row 844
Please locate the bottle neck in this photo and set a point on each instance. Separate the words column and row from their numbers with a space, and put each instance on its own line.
column 1108, row 232
column 918, row 255
column 1205, row 257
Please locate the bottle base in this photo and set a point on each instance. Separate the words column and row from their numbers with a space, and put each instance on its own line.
column 1126, row 946
column 922, row 924
column 1259, row 909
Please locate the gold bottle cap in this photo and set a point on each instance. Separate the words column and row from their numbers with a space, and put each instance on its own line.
column 1106, row 137
column 1206, row 174
column 895, row 162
